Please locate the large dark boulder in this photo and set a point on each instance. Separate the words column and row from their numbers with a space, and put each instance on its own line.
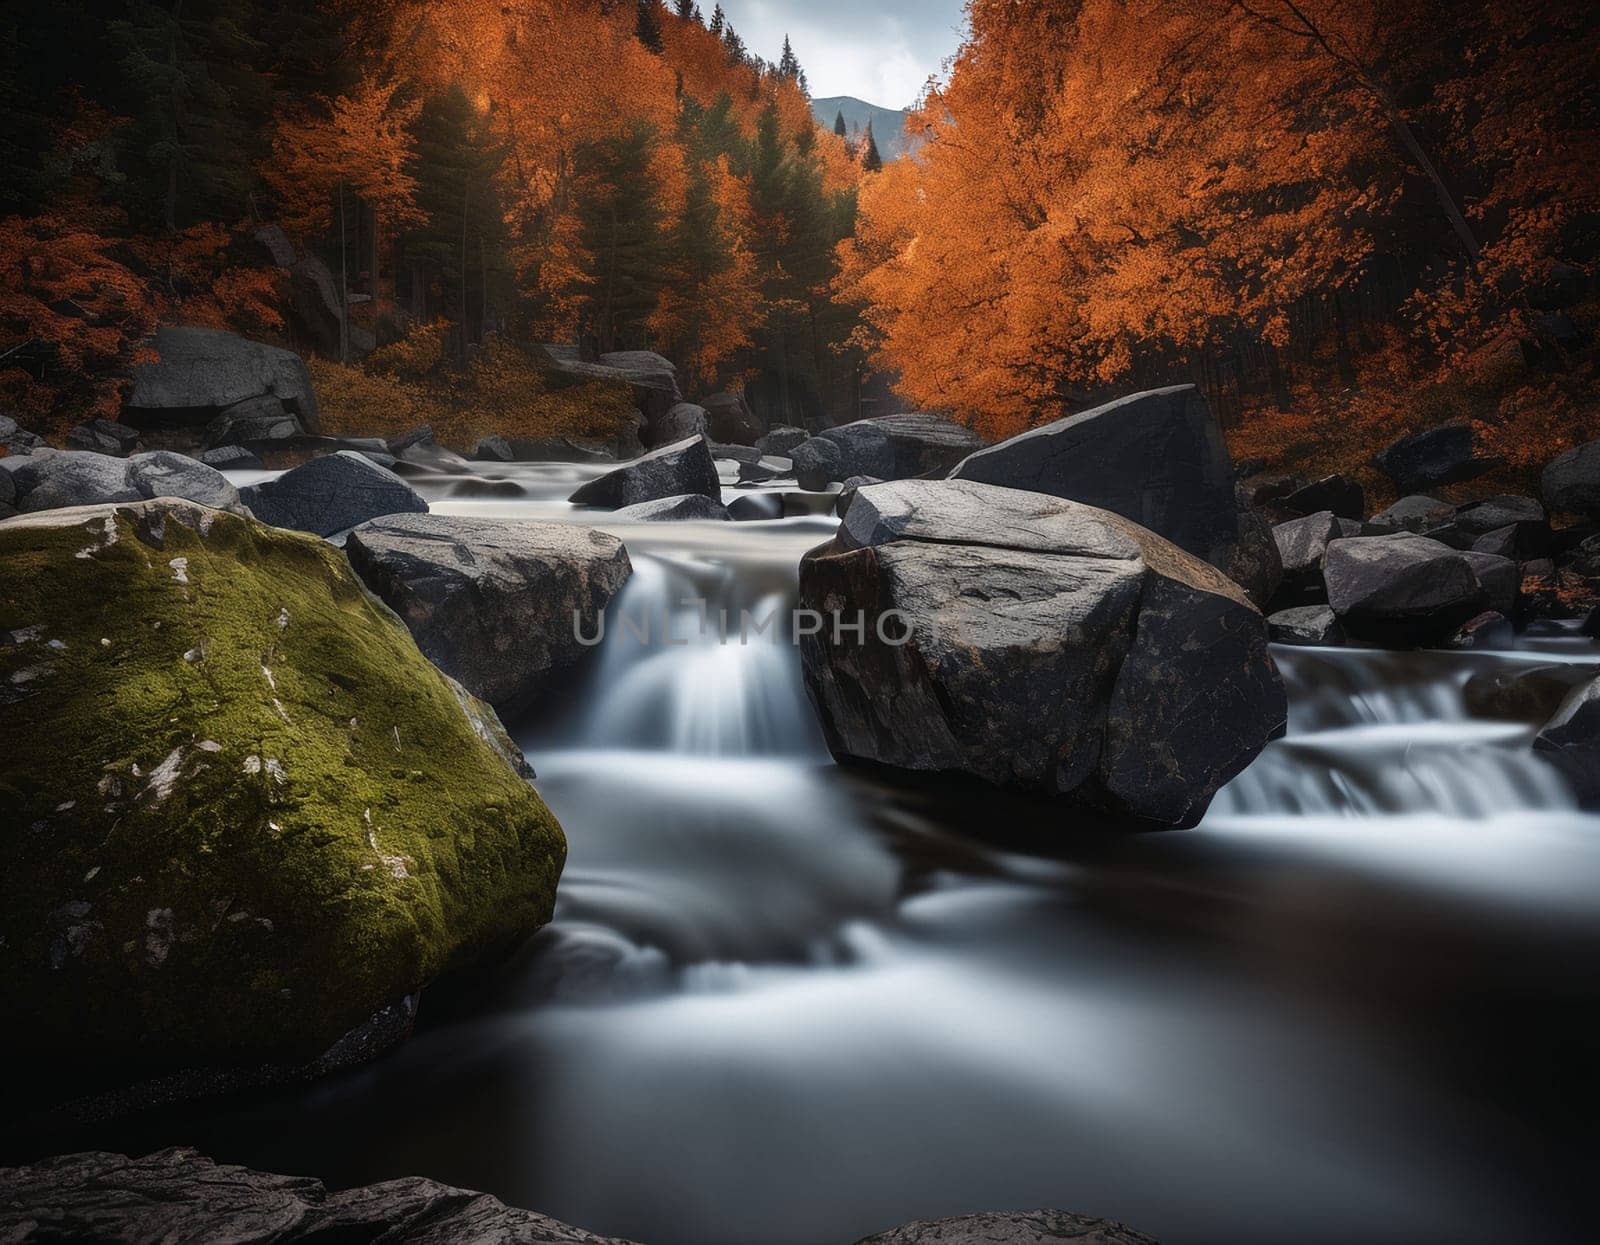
column 1570, row 741
column 817, row 462
column 104, row 436
column 179, row 1195
column 59, row 479
column 671, row 471
column 652, row 380
column 1302, row 545
column 729, row 419
column 497, row 606
column 255, row 816
column 199, row 373
column 1340, row 494
column 1053, row 648
column 1155, row 458
column 683, row 419
column 1448, row 454
column 1026, row 1227
column 331, row 494
column 1571, row 484
column 898, row 447
column 1401, row 589
column 782, row 440
column 864, row 449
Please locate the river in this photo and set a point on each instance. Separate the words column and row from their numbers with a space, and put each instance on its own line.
column 784, row 1003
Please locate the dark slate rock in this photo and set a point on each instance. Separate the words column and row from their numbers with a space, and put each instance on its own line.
column 255, row 421
column 693, row 506
column 1305, row 624
column 230, row 458
column 560, row 450
column 1501, row 579
column 1444, row 455
column 1571, row 484
column 671, row 471
column 756, row 507
column 8, row 491
column 1415, row 513
column 422, row 434
column 742, row 454
column 1155, row 458
column 817, row 462
column 1401, row 589
column 652, row 380
column 104, row 436
column 1570, row 741
column 1522, row 693
column 495, row 605
column 678, row 422
column 1055, row 648
column 1340, row 494
column 494, row 450
column 201, row 372
column 1502, row 542
column 847, row 493
column 179, row 1195
column 57, row 479
column 162, row 473
column 1302, row 545
column 864, row 450
column 728, row 419
column 926, row 445
column 1032, row 1227
column 331, row 494
column 781, row 440
column 765, row 468
column 1488, row 630
column 1266, row 490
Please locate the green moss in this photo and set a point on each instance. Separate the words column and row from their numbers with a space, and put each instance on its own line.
column 338, row 827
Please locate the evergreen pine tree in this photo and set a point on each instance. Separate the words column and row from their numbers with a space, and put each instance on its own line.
column 871, row 161
column 734, row 45
column 647, row 26
column 622, row 226
column 839, row 127
column 788, row 63
column 718, row 20
column 685, row 10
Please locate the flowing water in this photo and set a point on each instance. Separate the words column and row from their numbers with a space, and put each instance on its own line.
column 787, row 1004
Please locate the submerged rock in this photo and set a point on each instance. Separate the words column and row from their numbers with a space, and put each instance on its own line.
column 179, row 1195
column 693, row 506
column 496, row 605
column 1156, row 458
column 671, row 471
column 332, row 494
column 248, row 814
column 1049, row 647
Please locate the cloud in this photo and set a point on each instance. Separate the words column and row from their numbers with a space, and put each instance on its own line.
column 882, row 53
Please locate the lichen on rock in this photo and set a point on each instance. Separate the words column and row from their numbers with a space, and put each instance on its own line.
column 203, row 860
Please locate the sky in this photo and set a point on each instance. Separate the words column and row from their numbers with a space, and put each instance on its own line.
column 881, row 51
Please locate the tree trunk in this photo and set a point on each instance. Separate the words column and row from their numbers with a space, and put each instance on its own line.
column 344, row 285
column 170, row 203
column 465, row 189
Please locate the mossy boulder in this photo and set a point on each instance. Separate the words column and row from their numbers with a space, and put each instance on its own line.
column 240, row 813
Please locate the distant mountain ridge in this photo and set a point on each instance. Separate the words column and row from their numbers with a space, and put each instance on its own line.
column 888, row 124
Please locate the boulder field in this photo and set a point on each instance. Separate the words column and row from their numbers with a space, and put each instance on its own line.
column 244, row 814
column 178, row 1194
column 1038, row 644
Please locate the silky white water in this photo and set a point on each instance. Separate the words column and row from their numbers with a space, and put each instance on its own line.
column 784, row 1003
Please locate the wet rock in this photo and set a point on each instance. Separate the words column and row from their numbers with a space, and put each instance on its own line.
column 1032, row 1227
column 230, row 458
column 817, row 463
column 331, row 494
column 1416, row 513
column 58, row 479
column 255, row 421
column 1571, row 484
column 694, row 506
column 671, row 471
column 162, row 473
column 1302, row 545
column 1155, row 458
column 1305, row 624
column 281, row 819
column 1053, row 648
column 1570, row 741
column 178, row 1195
column 1523, row 693
column 202, row 372
column 1339, row 494
column 494, row 450
column 1488, row 630
column 782, row 440
column 496, row 605
column 104, row 436
column 1401, row 589
column 428, row 457
column 1448, row 454
column 756, row 507
column 728, row 419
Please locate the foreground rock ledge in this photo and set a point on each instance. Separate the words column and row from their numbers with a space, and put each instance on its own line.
column 1054, row 648
column 243, row 812
column 179, row 1195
